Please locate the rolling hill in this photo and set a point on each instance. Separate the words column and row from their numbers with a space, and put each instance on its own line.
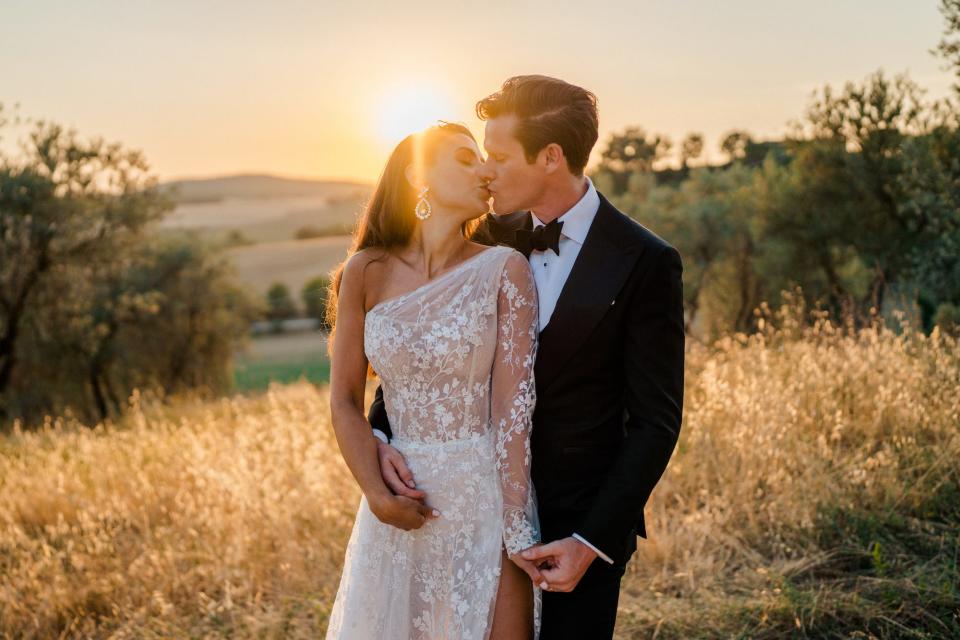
column 262, row 214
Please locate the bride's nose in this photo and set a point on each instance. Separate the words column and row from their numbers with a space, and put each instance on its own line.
column 484, row 171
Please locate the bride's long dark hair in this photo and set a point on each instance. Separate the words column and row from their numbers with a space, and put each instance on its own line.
column 388, row 221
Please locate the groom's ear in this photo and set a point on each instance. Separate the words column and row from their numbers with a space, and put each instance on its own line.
column 552, row 157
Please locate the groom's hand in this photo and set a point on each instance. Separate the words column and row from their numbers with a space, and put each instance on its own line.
column 562, row 563
column 396, row 474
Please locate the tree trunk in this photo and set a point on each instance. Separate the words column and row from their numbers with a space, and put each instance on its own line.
column 8, row 342
column 746, row 299
column 98, row 397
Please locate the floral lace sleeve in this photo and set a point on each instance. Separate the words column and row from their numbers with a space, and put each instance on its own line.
column 513, row 396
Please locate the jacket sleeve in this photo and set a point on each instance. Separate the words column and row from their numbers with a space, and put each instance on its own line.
column 377, row 416
column 653, row 388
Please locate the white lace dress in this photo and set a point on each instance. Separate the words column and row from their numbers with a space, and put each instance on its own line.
column 455, row 359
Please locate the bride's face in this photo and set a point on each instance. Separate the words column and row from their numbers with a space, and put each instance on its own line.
column 456, row 186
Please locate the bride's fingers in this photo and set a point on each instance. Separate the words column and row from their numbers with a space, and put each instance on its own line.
column 428, row 513
column 531, row 570
column 535, row 576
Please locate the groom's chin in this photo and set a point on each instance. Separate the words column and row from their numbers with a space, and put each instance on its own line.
column 498, row 207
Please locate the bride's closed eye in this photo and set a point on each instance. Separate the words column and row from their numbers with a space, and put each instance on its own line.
column 466, row 157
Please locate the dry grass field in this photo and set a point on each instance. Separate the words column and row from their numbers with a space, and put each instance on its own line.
column 264, row 208
column 815, row 494
column 292, row 262
column 267, row 212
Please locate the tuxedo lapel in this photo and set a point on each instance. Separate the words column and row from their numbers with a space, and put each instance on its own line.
column 598, row 273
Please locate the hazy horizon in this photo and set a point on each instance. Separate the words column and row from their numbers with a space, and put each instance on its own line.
column 300, row 90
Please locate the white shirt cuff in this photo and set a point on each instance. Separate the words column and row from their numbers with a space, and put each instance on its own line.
column 381, row 435
column 602, row 555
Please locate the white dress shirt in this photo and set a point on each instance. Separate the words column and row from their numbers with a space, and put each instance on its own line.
column 550, row 271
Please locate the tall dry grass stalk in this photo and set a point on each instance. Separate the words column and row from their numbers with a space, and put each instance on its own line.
column 200, row 520
column 814, row 493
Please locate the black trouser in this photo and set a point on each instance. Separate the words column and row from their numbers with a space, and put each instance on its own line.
column 589, row 612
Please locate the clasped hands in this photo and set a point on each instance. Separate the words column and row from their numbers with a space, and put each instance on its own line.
column 554, row 566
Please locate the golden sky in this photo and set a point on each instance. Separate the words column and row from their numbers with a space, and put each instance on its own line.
column 324, row 89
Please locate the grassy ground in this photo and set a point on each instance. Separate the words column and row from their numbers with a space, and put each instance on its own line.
column 282, row 358
column 815, row 493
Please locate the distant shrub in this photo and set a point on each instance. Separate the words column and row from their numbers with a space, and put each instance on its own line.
column 308, row 232
column 314, row 298
column 280, row 305
column 948, row 319
column 237, row 238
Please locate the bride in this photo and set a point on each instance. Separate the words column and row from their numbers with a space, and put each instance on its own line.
column 450, row 326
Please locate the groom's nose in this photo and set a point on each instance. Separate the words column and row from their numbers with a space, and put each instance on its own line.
column 486, row 172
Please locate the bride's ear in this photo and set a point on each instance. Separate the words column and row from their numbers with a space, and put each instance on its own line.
column 413, row 179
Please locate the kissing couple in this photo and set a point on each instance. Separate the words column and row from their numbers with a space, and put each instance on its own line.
column 531, row 370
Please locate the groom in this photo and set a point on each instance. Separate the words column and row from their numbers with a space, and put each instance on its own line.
column 609, row 369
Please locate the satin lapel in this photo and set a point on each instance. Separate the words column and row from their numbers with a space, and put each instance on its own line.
column 597, row 275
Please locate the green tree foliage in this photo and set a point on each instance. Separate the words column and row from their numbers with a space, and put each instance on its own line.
column 883, row 163
column 91, row 306
column 280, row 304
column 949, row 47
column 630, row 152
column 314, row 298
column 734, row 144
column 860, row 207
column 691, row 148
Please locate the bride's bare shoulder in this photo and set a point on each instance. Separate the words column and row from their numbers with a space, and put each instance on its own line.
column 366, row 258
column 363, row 266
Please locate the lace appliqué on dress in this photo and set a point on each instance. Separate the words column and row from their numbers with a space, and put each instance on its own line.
column 455, row 358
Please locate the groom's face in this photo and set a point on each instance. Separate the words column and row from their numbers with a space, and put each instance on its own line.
column 515, row 183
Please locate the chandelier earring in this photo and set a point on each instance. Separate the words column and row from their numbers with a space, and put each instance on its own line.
column 423, row 208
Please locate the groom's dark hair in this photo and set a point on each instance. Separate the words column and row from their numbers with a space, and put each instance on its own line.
column 548, row 110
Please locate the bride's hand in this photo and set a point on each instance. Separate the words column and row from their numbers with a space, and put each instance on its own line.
column 403, row 513
column 530, row 568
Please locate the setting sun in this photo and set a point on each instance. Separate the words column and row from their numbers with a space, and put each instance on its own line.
column 411, row 107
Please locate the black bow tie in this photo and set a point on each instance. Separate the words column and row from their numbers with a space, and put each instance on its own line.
column 540, row 238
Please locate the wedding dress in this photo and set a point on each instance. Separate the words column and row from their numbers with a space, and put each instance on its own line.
column 455, row 359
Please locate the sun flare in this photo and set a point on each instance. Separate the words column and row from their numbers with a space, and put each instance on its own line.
column 409, row 108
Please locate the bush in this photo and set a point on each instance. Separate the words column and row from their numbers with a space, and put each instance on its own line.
column 92, row 303
column 947, row 319
column 280, row 305
column 314, row 297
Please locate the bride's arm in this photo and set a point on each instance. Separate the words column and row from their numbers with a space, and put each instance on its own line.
column 348, row 373
column 512, row 400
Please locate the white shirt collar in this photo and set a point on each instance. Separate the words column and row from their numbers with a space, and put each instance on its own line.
column 577, row 220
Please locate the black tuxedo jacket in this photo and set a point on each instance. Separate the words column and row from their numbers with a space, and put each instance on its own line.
column 609, row 381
